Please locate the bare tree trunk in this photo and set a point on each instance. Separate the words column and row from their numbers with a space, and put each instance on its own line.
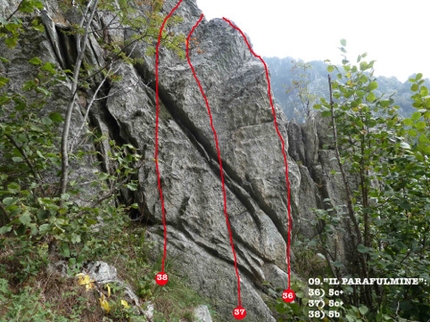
column 365, row 293
column 81, row 43
column 342, row 170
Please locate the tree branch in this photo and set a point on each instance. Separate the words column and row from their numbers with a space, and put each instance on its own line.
column 4, row 211
column 342, row 170
column 16, row 10
column 80, row 48
column 93, row 98
column 33, row 170
column 362, row 257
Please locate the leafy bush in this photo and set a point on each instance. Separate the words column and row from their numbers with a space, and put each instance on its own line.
column 383, row 162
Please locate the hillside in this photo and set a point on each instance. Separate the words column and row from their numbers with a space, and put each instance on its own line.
column 313, row 74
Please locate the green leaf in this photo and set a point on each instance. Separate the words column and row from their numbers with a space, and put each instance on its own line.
column 405, row 145
column 419, row 76
column 336, row 95
column 56, row 117
column 412, row 133
column 25, row 218
column 408, row 122
column 5, row 229
column 281, row 308
column 28, row 6
column 11, row 42
column 343, row 42
column 371, row 97
column 49, row 67
column 350, row 318
column 30, row 84
column 325, row 113
column 3, row 80
column 13, row 187
column 373, row 85
column 35, row 61
column 4, row 99
column 12, row 27
column 363, row 310
column 330, row 68
column 363, row 78
column 300, row 294
column 414, row 87
column 65, row 196
column 8, row 201
column 423, row 139
column 420, row 125
column 65, row 250
column 338, row 264
column 75, row 239
column 415, row 116
column 40, row 155
column 362, row 249
column 364, row 65
column 37, row 26
column 43, row 91
column 132, row 186
column 46, row 121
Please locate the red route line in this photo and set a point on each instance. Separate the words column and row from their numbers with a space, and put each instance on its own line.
column 224, row 194
column 157, row 112
column 283, row 150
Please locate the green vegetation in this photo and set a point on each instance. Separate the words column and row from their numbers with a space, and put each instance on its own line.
column 300, row 89
column 46, row 216
column 292, row 80
column 383, row 163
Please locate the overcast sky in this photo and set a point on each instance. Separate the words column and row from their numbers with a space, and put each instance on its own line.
column 395, row 33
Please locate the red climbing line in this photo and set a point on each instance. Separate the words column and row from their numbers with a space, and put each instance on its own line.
column 269, row 93
column 157, row 112
column 224, row 194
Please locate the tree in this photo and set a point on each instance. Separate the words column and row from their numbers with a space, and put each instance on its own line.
column 37, row 199
column 300, row 88
column 384, row 165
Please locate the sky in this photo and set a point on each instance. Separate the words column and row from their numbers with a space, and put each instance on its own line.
column 395, row 33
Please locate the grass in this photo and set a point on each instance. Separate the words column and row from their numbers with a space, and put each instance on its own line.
column 30, row 291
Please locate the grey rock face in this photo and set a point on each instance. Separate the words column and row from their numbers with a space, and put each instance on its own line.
column 101, row 272
column 202, row 314
column 236, row 88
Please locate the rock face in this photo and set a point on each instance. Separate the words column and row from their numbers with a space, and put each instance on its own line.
column 235, row 84
column 198, row 240
column 202, row 314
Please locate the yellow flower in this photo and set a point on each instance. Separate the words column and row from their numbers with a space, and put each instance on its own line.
column 108, row 288
column 125, row 304
column 84, row 279
column 104, row 304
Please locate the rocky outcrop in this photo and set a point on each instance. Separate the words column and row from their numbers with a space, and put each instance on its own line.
column 235, row 84
column 197, row 233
